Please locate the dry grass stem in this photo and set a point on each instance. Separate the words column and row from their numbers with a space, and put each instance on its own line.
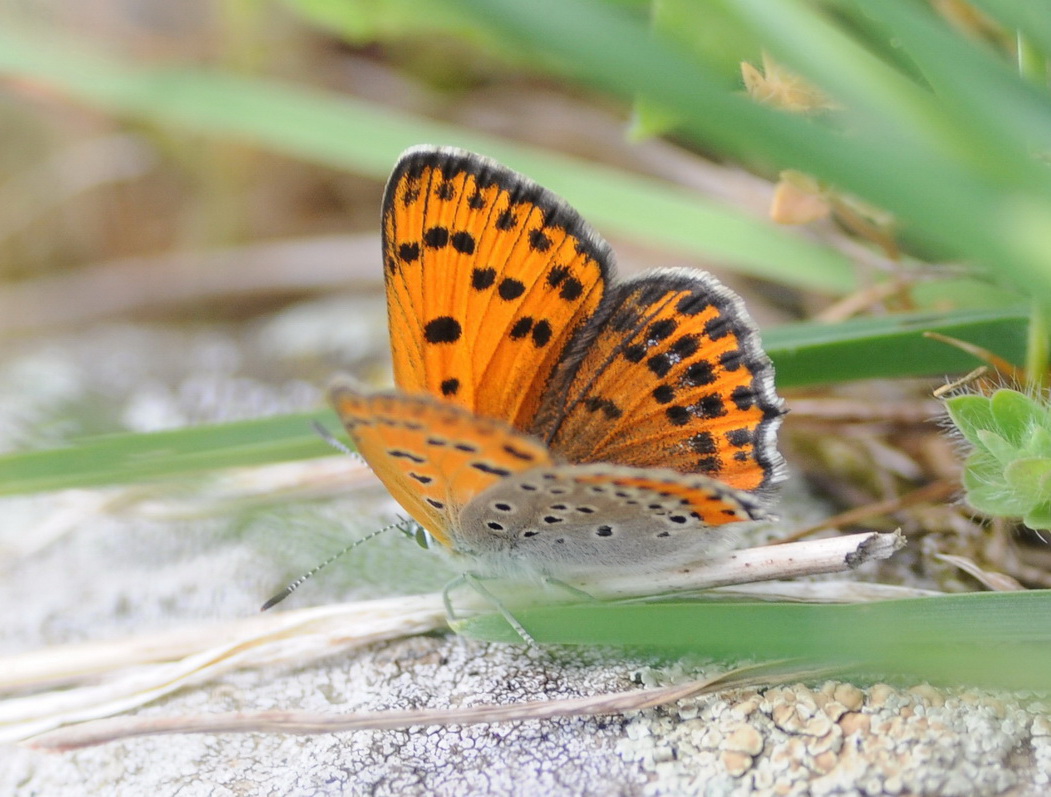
column 936, row 491
column 308, row 722
column 998, row 582
column 849, row 410
column 137, row 671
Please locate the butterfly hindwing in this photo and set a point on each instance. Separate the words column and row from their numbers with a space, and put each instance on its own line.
column 672, row 375
column 565, row 518
column 489, row 276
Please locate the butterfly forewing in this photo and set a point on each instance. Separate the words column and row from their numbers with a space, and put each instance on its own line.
column 489, row 276
column 433, row 457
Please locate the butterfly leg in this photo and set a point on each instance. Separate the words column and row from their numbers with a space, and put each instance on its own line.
column 450, row 612
column 475, row 582
column 574, row 591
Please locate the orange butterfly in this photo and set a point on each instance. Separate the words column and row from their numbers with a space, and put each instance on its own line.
column 549, row 419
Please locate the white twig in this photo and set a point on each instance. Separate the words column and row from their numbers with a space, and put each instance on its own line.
column 125, row 675
column 806, row 558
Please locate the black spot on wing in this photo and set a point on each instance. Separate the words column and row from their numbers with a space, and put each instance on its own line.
column 492, row 470
column 538, row 241
column 463, row 242
column 436, row 237
column 482, row 278
column 521, row 328
column 445, row 190
column 541, row 333
column 443, row 329
column 409, row 252
column 510, row 289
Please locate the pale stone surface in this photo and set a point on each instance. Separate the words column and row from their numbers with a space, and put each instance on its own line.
column 901, row 741
column 76, row 568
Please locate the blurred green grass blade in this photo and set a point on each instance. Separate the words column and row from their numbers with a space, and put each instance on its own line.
column 611, row 50
column 976, row 110
column 133, row 458
column 878, row 97
column 709, row 31
column 381, row 19
column 961, row 210
column 987, row 97
column 803, row 354
column 970, row 111
column 990, row 639
column 892, row 346
column 1032, row 18
column 351, row 134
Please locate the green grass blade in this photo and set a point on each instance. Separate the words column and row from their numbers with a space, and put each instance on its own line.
column 892, row 346
column 365, row 23
column 878, row 98
column 351, row 134
column 984, row 97
column 136, row 457
column 1031, row 18
column 989, row 639
column 969, row 111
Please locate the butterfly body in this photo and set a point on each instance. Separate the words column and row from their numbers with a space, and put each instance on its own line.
column 548, row 419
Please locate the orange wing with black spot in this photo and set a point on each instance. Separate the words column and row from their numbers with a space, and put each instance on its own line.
column 433, row 457
column 489, row 276
column 672, row 375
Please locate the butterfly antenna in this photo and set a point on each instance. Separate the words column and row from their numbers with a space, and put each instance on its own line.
column 398, row 524
column 331, row 439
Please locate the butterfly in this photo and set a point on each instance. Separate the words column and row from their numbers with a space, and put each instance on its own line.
column 549, row 419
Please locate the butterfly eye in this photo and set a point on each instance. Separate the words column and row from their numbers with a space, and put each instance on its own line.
column 423, row 537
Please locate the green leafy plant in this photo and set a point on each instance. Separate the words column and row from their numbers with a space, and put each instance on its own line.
column 1008, row 473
